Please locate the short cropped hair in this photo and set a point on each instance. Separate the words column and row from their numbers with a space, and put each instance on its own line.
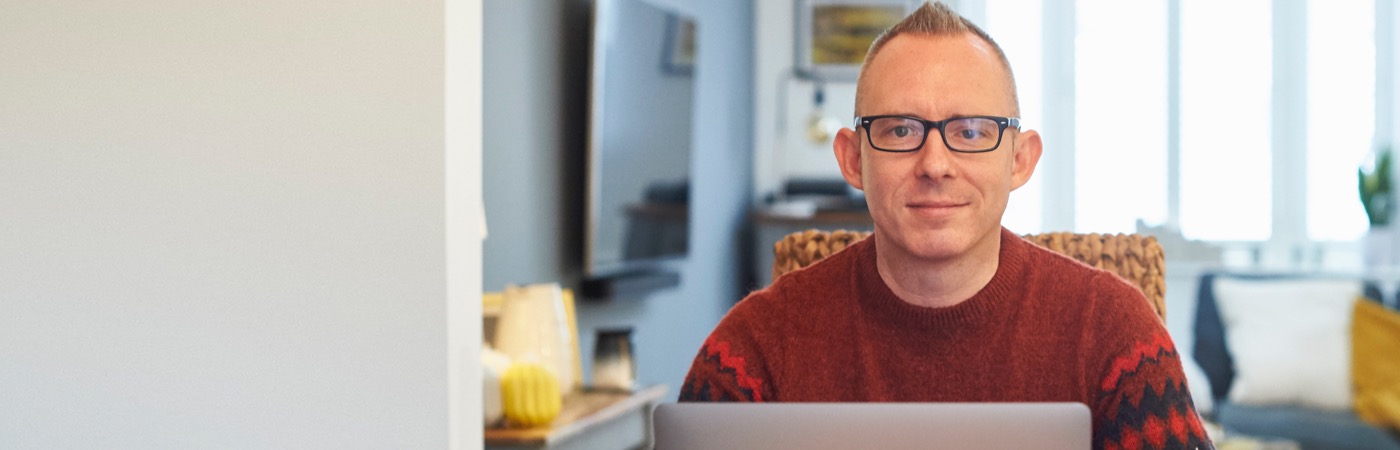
column 937, row 19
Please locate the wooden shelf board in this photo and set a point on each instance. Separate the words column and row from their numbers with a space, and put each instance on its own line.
column 581, row 410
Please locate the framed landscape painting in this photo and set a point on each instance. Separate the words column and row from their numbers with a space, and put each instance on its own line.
column 834, row 35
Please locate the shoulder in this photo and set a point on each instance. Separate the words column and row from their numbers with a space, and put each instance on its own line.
column 1060, row 267
column 746, row 356
column 1105, row 294
column 1109, row 312
column 796, row 298
column 792, row 295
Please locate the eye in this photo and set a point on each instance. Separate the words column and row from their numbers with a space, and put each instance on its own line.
column 969, row 134
column 901, row 131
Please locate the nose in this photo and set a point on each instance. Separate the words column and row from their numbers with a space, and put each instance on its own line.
column 935, row 159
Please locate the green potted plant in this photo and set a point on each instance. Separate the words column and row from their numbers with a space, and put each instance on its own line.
column 1374, row 184
column 1375, row 188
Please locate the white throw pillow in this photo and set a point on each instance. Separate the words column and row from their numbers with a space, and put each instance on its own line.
column 1200, row 386
column 1290, row 339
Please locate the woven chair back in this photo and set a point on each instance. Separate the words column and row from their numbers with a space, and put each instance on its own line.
column 1136, row 258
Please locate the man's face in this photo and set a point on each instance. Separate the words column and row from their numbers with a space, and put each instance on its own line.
column 933, row 203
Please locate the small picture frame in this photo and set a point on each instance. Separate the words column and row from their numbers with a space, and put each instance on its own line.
column 678, row 52
column 834, row 35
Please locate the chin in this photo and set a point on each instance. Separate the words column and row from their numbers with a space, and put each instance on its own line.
column 937, row 244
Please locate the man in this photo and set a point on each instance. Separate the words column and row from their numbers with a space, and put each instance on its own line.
column 942, row 304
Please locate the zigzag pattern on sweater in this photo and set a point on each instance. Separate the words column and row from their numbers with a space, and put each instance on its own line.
column 1157, row 420
column 1152, row 410
column 718, row 355
column 1160, row 345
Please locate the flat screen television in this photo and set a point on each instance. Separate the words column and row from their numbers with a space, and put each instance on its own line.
column 641, row 117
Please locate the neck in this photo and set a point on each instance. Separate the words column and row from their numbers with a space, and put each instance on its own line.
column 937, row 283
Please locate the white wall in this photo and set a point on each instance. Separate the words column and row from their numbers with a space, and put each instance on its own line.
column 465, row 219
column 783, row 104
column 222, row 225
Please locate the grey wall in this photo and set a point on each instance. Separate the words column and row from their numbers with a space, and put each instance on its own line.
column 221, row 225
column 536, row 67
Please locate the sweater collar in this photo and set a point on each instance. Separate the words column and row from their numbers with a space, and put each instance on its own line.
column 993, row 300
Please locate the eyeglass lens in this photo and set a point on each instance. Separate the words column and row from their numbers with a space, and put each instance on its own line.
column 966, row 134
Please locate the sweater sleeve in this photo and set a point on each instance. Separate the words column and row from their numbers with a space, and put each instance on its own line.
column 1143, row 401
column 729, row 366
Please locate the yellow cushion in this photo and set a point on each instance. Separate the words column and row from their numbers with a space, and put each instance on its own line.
column 1375, row 363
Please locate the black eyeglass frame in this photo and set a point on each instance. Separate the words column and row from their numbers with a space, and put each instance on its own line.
column 1002, row 124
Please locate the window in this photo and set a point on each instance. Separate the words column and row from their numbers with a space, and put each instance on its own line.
column 1016, row 27
column 1120, row 126
column 1341, row 114
column 1226, row 118
column 1220, row 121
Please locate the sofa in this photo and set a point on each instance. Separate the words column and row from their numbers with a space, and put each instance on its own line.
column 1310, row 427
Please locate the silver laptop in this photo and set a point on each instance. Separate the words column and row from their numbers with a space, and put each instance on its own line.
column 971, row 426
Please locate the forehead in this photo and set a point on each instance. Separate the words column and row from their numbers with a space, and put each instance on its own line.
column 935, row 77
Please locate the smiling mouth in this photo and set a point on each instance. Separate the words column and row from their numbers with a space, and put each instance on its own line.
column 935, row 205
column 935, row 209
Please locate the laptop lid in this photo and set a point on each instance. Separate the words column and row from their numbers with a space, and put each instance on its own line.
column 972, row 426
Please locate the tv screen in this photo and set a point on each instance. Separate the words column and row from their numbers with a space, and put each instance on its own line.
column 640, row 128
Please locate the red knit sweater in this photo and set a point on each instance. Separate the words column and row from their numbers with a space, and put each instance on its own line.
column 1046, row 328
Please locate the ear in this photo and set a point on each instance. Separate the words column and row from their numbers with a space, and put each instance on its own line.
column 847, row 148
column 1025, row 156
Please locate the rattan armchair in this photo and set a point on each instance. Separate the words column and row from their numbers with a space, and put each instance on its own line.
column 1136, row 258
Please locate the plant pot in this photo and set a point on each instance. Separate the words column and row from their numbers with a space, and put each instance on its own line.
column 1378, row 247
